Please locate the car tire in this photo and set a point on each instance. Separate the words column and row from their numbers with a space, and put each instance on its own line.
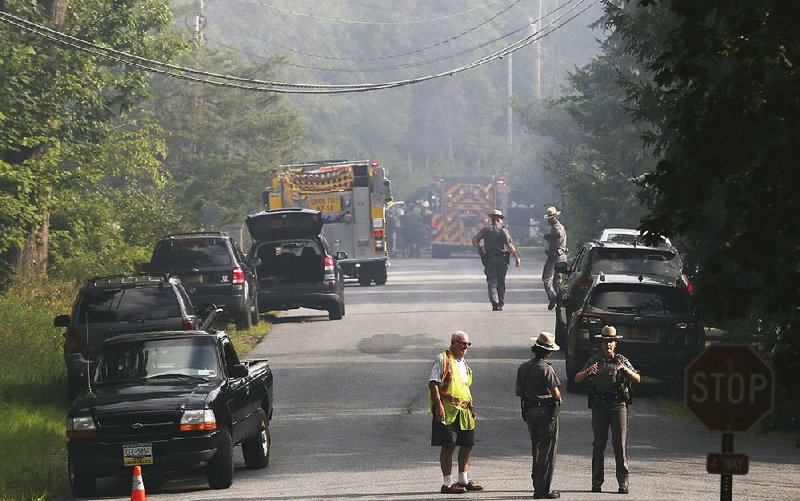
column 255, row 317
column 335, row 311
column 342, row 303
column 81, row 483
column 255, row 449
column 219, row 471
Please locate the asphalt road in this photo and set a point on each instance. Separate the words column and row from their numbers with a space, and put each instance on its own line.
column 351, row 420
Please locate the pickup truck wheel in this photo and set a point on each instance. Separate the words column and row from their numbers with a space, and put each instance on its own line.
column 254, row 315
column 81, row 483
column 255, row 449
column 335, row 311
column 219, row 471
column 243, row 318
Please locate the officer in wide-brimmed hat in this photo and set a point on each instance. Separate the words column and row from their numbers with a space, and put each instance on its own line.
column 556, row 250
column 494, row 245
column 610, row 375
column 538, row 387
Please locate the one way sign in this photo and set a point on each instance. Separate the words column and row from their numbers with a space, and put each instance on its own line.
column 725, row 463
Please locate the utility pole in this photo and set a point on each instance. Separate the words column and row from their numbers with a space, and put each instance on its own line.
column 509, row 121
column 200, row 23
column 538, row 77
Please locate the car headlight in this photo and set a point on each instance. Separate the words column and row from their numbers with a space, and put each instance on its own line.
column 81, row 427
column 203, row 420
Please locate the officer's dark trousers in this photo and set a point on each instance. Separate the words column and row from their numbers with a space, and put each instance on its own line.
column 612, row 415
column 495, row 269
column 543, row 429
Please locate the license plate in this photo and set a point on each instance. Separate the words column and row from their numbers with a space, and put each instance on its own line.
column 326, row 204
column 137, row 454
column 638, row 334
column 193, row 279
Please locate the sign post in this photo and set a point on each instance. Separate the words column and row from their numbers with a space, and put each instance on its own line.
column 730, row 389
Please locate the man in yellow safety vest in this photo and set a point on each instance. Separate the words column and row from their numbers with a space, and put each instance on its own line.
column 453, row 413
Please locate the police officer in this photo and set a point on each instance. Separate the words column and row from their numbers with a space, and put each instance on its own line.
column 556, row 250
column 494, row 256
column 609, row 375
column 538, row 386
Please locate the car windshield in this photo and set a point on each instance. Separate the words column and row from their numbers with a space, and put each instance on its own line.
column 128, row 304
column 636, row 261
column 638, row 298
column 163, row 359
column 190, row 253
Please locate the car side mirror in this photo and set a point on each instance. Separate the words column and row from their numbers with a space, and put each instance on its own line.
column 254, row 261
column 561, row 267
column 61, row 321
column 341, row 255
column 239, row 371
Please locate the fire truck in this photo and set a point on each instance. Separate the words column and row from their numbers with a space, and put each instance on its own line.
column 352, row 197
column 460, row 211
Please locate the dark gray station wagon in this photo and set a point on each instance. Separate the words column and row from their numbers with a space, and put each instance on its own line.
column 293, row 262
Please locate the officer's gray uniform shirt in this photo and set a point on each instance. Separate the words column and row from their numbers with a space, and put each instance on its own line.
column 556, row 242
column 537, row 378
column 494, row 239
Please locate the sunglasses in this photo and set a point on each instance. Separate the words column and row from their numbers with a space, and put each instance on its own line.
column 465, row 343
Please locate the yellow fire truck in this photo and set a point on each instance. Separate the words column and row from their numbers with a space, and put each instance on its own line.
column 352, row 196
column 460, row 211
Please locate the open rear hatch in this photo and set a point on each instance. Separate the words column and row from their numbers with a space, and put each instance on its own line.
column 281, row 224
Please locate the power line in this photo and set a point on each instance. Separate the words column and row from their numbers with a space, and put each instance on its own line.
column 390, row 56
column 375, row 23
column 261, row 85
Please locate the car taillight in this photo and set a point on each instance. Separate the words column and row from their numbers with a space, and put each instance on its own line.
column 584, row 283
column 689, row 287
column 189, row 325
column 72, row 342
column 684, row 325
column 329, row 263
column 238, row 276
column 587, row 319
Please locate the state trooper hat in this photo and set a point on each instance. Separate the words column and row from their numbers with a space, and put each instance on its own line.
column 496, row 213
column 609, row 332
column 545, row 340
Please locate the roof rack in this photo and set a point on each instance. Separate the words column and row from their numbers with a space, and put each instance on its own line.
column 198, row 233
column 133, row 278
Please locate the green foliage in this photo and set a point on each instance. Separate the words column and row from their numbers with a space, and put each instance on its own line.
column 221, row 142
column 724, row 113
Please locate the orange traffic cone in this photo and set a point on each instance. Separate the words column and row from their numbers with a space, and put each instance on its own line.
column 137, row 490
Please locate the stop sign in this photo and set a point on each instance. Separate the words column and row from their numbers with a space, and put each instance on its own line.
column 729, row 388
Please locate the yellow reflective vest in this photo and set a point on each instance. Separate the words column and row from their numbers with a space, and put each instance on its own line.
column 454, row 393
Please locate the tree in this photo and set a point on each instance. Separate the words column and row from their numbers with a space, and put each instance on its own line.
column 57, row 102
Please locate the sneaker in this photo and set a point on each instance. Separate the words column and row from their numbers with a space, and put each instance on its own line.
column 453, row 489
column 472, row 486
column 495, row 307
column 596, row 488
column 623, row 489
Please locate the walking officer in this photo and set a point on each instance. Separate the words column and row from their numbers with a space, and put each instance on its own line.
column 610, row 375
column 494, row 256
column 556, row 251
column 538, row 386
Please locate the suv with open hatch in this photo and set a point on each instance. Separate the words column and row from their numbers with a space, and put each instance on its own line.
column 660, row 330
column 610, row 257
column 111, row 305
column 214, row 271
column 294, row 266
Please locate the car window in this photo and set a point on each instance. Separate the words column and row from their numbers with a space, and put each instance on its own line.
column 191, row 253
column 161, row 358
column 127, row 304
column 641, row 299
column 636, row 261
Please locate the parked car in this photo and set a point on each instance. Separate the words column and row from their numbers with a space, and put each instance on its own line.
column 595, row 257
column 654, row 314
column 625, row 236
column 214, row 270
column 111, row 305
column 293, row 262
column 169, row 401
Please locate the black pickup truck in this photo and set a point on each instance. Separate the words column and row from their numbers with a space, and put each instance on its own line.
column 169, row 401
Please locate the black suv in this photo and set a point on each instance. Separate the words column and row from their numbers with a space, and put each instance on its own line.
column 597, row 257
column 294, row 264
column 111, row 305
column 654, row 315
column 214, row 271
